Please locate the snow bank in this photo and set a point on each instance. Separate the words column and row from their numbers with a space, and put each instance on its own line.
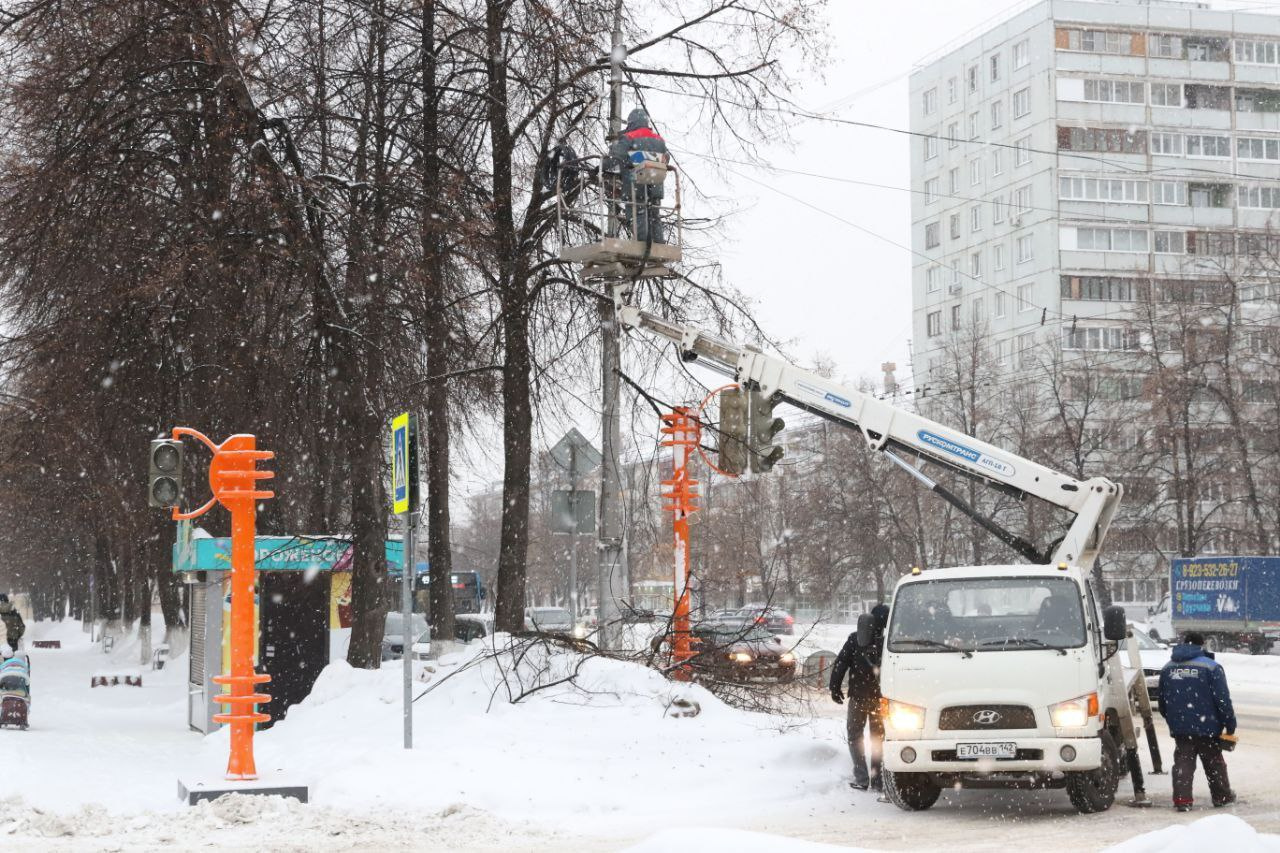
column 1219, row 832
column 730, row 841
column 604, row 750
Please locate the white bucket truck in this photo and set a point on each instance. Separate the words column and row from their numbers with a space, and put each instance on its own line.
column 992, row 675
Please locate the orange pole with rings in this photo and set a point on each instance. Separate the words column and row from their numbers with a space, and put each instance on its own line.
column 683, row 434
column 233, row 479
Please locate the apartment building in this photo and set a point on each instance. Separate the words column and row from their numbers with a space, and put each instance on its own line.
column 1081, row 152
column 1081, row 159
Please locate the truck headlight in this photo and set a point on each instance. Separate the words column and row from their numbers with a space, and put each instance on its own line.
column 1074, row 713
column 740, row 657
column 900, row 716
column 787, row 657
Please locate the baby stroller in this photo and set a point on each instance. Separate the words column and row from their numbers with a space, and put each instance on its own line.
column 15, row 691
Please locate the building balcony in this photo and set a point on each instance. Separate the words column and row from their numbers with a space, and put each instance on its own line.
column 1258, row 121
column 1102, row 115
column 1186, row 69
column 1104, row 261
column 1192, row 217
column 1184, row 117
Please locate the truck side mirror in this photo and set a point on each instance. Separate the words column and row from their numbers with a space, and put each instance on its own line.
column 1115, row 624
column 866, row 630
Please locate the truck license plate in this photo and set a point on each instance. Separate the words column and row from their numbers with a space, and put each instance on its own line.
column 986, row 750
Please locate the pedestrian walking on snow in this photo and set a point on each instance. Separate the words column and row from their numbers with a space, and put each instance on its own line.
column 1196, row 703
column 14, row 627
column 862, row 664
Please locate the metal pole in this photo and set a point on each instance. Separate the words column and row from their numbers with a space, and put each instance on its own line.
column 409, row 568
column 611, row 579
column 573, row 533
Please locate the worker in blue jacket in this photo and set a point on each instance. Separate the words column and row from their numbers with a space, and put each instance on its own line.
column 1196, row 704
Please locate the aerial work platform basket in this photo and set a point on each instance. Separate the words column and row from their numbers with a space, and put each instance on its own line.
column 592, row 201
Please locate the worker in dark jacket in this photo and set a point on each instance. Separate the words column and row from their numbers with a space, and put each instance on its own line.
column 640, row 157
column 863, row 667
column 14, row 627
column 1196, row 704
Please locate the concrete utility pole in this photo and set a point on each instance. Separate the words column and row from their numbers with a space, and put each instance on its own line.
column 612, row 578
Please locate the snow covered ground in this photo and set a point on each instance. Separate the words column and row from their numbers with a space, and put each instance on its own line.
column 601, row 766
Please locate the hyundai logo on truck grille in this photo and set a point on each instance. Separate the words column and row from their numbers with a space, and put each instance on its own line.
column 973, row 457
column 987, row 717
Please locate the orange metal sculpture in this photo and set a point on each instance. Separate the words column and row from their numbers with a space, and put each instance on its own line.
column 683, row 434
column 233, row 478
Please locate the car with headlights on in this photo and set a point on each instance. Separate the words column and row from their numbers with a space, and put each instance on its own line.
column 737, row 652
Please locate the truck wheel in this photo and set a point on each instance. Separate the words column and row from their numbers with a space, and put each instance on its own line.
column 913, row 792
column 1094, row 791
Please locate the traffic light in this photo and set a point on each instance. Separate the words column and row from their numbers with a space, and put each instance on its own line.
column 165, row 482
column 734, row 448
column 764, row 428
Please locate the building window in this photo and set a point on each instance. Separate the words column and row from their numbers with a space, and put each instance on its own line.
column 1099, row 288
column 932, row 235
column 930, row 101
column 1205, row 49
column 1115, row 91
column 997, row 303
column 933, row 323
column 1101, row 339
column 1025, row 293
column 1021, row 102
column 978, row 309
column 1168, row 192
column 1021, row 55
column 1167, row 46
column 1026, row 346
column 997, row 256
column 975, row 218
column 954, row 175
column 1208, row 146
column 973, row 126
column 930, row 147
column 1022, row 151
column 955, row 226
column 955, row 276
column 953, row 90
column 997, row 209
column 1209, row 195
column 1022, row 199
column 973, row 79
column 975, row 265
column 997, row 166
column 1257, row 101
column 1095, row 41
column 1259, row 196
column 1166, row 94
column 932, row 278
column 1254, row 52
column 953, row 134
column 997, row 114
column 1111, row 240
column 1166, row 143
column 1198, row 97
column 931, row 191
column 994, row 62
column 975, row 172
column 1099, row 139
column 1101, row 189
column 955, row 318
column 1024, row 249
column 1257, row 148
column 1170, row 242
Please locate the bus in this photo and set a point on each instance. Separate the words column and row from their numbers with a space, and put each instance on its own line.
column 469, row 592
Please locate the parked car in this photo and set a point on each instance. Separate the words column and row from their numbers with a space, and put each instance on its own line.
column 742, row 652
column 467, row 628
column 548, row 620
column 1154, row 656
column 775, row 619
column 393, row 633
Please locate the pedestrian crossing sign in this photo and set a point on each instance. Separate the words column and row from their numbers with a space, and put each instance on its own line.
column 404, row 464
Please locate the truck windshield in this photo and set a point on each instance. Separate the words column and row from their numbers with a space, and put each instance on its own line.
column 987, row 614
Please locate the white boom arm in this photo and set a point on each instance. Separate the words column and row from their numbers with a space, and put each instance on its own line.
column 888, row 427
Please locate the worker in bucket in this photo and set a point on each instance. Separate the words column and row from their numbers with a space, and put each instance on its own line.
column 14, row 627
column 640, row 157
column 1196, row 704
column 862, row 663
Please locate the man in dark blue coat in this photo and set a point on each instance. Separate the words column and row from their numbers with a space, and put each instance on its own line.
column 1196, row 704
column 635, row 154
column 862, row 663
